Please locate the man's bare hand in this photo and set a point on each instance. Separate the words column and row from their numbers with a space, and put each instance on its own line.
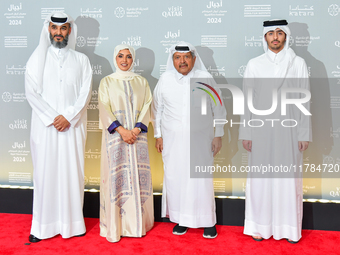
column 61, row 123
column 127, row 135
column 303, row 145
column 216, row 145
column 159, row 144
column 247, row 144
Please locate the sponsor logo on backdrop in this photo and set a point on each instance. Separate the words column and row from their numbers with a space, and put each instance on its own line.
column 335, row 192
column 93, row 126
column 333, row 9
column 302, row 41
column 241, row 70
column 219, row 186
column 336, row 72
column 162, row 69
column 307, row 188
column 81, row 41
column 335, row 102
column 214, row 41
column 257, row 10
column 136, row 67
column 96, row 69
column 19, row 177
column 133, row 41
column 15, row 41
column 253, row 41
column 91, row 13
column 337, row 43
column 130, row 12
column 90, row 41
column 6, row 97
column 173, row 11
column 328, row 160
column 18, row 124
column 335, row 133
column 172, row 35
column 47, row 11
column 93, row 181
column 214, row 11
column 15, row 15
column 15, row 97
column 15, row 70
column 216, row 72
column 93, row 105
column 171, row 38
column 301, row 11
column 119, row 12
column 92, row 154
column 19, row 151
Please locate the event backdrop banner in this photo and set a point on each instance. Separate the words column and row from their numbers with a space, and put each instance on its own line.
column 226, row 34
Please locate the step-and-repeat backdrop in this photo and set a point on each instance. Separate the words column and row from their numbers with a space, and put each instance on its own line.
column 226, row 34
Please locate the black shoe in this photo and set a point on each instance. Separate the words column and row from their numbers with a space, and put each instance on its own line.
column 291, row 241
column 179, row 230
column 33, row 239
column 257, row 239
column 80, row 235
column 210, row 232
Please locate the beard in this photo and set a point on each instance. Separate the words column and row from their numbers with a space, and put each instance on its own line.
column 61, row 44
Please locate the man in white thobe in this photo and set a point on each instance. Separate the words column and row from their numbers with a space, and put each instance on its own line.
column 58, row 88
column 186, row 201
column 274, row 205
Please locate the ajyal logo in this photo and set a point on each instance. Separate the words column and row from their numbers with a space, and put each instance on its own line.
column 204, row 102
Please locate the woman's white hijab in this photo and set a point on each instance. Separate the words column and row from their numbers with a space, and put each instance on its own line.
column 120, row 74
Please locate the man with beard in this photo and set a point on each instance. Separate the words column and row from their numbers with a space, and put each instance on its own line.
column 274, row 201
column 58, row 88
column 189, row 202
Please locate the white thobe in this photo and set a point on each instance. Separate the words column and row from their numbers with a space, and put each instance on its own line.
column 186, row 201
column 274, row 205
column 58, row 157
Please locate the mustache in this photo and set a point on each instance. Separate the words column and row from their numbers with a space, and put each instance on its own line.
column 59, row 36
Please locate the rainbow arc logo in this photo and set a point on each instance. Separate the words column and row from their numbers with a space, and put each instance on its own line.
column 209, row 93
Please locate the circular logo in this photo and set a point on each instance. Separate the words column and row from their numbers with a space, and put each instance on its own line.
column 81, row 41
column 241, row 70
column 6, row 96
column 291, row 41
column 333, row 9
column 328, row 160
column 119, row 12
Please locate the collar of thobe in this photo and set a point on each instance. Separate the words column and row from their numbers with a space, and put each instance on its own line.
column 276, row 57
column 180, row 76
column 59, row 52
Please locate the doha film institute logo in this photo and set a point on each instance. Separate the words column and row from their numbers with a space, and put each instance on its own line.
column 119, row 12
column 333, row 9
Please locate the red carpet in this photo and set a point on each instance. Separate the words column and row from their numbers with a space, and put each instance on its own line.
column 15, row 230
